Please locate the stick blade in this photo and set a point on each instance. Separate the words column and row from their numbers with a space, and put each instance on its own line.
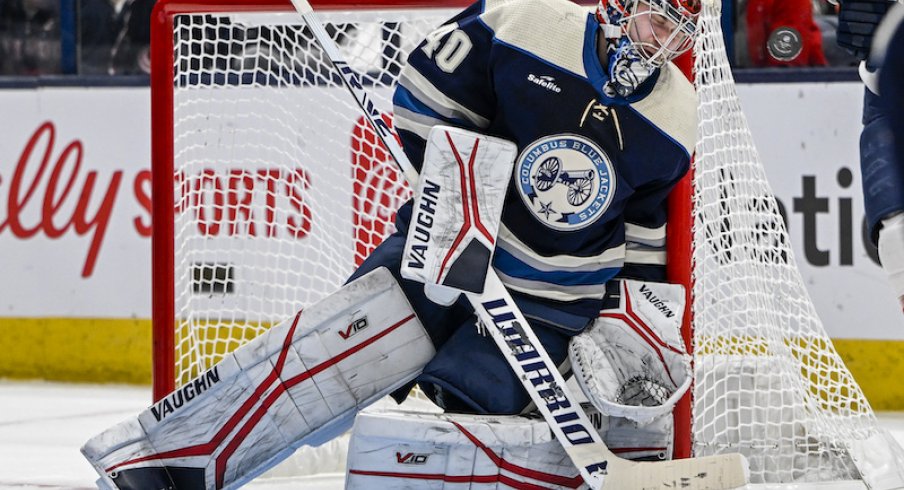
column 721, row 472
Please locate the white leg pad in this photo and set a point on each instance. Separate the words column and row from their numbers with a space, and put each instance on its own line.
column 302, row 382
column 395, row 450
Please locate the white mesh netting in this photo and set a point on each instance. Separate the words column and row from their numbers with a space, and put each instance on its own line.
column 768, row 382
column 280, row 187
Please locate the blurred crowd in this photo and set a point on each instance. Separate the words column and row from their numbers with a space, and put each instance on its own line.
column 799, row 33
column 111, row 36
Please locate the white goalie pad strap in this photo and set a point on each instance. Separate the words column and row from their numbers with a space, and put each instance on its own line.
column 457, row 209
column 632, row 361
column 301, row 382
column 404, row 450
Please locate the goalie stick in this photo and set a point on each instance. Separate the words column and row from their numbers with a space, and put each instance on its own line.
column 598, row 466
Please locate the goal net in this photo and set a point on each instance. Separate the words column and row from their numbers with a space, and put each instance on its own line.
column 768, row 383
column 270, row 188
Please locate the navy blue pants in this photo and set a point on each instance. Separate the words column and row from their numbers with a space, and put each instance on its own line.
column 468, row 373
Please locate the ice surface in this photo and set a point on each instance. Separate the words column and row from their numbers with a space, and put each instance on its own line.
column 43, row 425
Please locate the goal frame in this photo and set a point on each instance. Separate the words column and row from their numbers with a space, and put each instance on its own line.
column 162, row 156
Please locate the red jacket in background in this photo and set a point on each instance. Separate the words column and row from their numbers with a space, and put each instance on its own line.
column 765, row 17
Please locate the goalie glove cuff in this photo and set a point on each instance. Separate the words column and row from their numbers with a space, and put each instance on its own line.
column 891, row 250
column 857, row 22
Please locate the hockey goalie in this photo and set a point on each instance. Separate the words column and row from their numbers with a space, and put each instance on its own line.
column 546, row 138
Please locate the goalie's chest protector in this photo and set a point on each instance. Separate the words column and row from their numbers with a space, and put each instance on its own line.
column 582, row 155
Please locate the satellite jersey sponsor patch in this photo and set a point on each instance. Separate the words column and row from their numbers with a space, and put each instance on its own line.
column 567, row 181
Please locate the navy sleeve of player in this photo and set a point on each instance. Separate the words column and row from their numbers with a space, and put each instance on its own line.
column 891, row 85
column 881, row 168
column 646, row 218
column 646, row 212
column 645, row 228
column 882, row 140
column 446, row 81
column 890, row 41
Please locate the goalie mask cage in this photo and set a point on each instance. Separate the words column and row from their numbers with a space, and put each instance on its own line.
column 269, row 188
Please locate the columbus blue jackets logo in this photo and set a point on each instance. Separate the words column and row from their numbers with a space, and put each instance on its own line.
column 566, row 180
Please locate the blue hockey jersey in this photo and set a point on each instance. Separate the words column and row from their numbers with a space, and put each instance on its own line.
column 587, row 199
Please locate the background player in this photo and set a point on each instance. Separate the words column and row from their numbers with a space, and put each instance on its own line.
column 890, row 56
column 881, row 165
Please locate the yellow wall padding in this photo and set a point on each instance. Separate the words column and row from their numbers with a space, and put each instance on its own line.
column 119, row 351
column 76, row 349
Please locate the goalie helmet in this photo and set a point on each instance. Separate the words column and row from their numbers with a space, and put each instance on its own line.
column 644, row 35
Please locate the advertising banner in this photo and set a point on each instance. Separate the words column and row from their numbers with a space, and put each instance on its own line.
column 808, row 137
column 75, row 202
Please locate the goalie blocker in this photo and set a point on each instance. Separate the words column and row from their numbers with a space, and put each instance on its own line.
column 460, row 192
column 302, row 382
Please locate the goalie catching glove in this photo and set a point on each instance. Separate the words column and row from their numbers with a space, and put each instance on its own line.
column 632, row 362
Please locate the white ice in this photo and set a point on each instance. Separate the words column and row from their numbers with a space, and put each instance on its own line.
column 43, row 425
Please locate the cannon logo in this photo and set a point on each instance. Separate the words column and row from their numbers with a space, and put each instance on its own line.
column 566, row 180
